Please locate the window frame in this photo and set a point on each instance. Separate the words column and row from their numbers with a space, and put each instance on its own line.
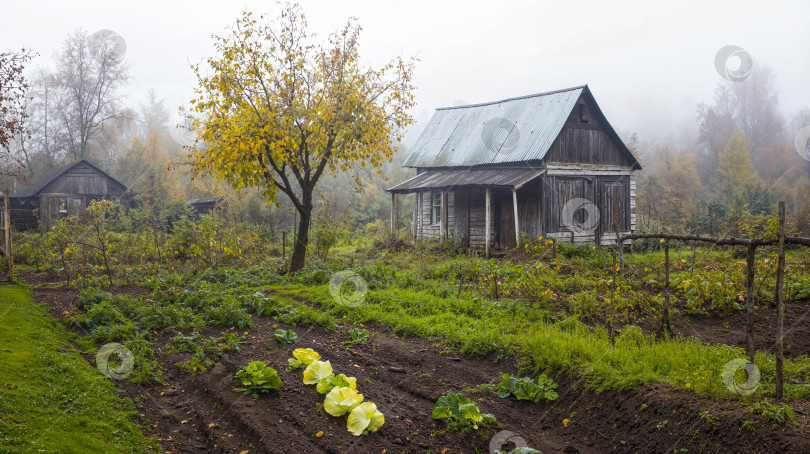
column 435, row 208
column 62, row 206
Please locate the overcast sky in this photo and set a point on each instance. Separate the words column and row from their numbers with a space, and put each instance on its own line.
column 647, row 62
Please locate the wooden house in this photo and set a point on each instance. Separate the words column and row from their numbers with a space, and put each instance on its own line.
column 205, row 205
column 64, row 191
column 546, row 165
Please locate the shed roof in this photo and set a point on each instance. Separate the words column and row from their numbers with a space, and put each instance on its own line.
column 511, row 130
column 205, row 200
column 51, row 175
column 468, row 178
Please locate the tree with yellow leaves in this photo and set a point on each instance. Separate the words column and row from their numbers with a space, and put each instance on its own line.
column 735, row 168
column 274, row 110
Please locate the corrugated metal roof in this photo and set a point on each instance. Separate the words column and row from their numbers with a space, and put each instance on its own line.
column 491, row 177
column 511, row 130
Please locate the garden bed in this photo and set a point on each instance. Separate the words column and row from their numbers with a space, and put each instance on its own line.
column 405, row 377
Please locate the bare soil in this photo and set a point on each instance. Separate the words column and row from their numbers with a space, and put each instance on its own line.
column 730, row 330
column 404, row 377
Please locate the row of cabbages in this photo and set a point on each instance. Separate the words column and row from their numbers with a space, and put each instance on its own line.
column 341, row 392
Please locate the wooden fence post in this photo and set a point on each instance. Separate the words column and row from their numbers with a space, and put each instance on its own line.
column 749, row 297
column 665, row 327
column 780, row 307
column 611, row 328
column 8, row 246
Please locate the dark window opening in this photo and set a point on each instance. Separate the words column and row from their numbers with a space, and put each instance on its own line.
column 582, row 114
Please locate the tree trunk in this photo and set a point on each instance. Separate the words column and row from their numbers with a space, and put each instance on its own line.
column 299, row 254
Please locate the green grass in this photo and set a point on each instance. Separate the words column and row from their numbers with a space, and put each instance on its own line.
column 540, row 336
column 418, row 293
column 52, row 400
column 479, row 327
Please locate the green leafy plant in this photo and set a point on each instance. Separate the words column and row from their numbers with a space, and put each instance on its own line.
column 302, row 357
column 523, row 450
column 749, row 426
column 461, row 413
column 340, row 401
column 257, row 378
column 206, row 350
column 286, row 336
column 526, row 389
column 356, row 335
column 365, row 419
column 777, row 415
column 336, row 381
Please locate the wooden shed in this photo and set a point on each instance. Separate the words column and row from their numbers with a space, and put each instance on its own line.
column 547, row 165
column 64, row 191
column 205, row 205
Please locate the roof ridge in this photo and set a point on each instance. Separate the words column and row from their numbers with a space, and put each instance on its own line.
column 516, row 98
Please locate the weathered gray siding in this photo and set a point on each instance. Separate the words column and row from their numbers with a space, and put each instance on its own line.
column 608, row 190
column 424, row 229
column 540, row 207
column 584, row 140
column 67, row 193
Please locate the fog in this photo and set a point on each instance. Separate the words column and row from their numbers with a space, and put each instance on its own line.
column 648, row 63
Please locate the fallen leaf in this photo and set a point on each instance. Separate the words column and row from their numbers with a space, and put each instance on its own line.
column 319, row 434
column 565, row 422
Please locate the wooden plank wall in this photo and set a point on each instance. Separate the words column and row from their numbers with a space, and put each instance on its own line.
column 478, row 218
column 580, row 145
column 23, row 213
column 466, row 215
column 600, row 186
column 425, row 229
column 583, row 140
column 83, row 180
column 76, row 189
column 530, row 211
column 461, row 217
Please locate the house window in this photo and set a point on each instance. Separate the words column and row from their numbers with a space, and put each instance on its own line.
column 583, row 118
column 63, row 205
column 435, row 207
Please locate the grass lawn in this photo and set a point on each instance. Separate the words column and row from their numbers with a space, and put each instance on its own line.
column 52, row 400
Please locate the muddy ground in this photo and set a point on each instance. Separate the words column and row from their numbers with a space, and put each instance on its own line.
column 405, row 377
